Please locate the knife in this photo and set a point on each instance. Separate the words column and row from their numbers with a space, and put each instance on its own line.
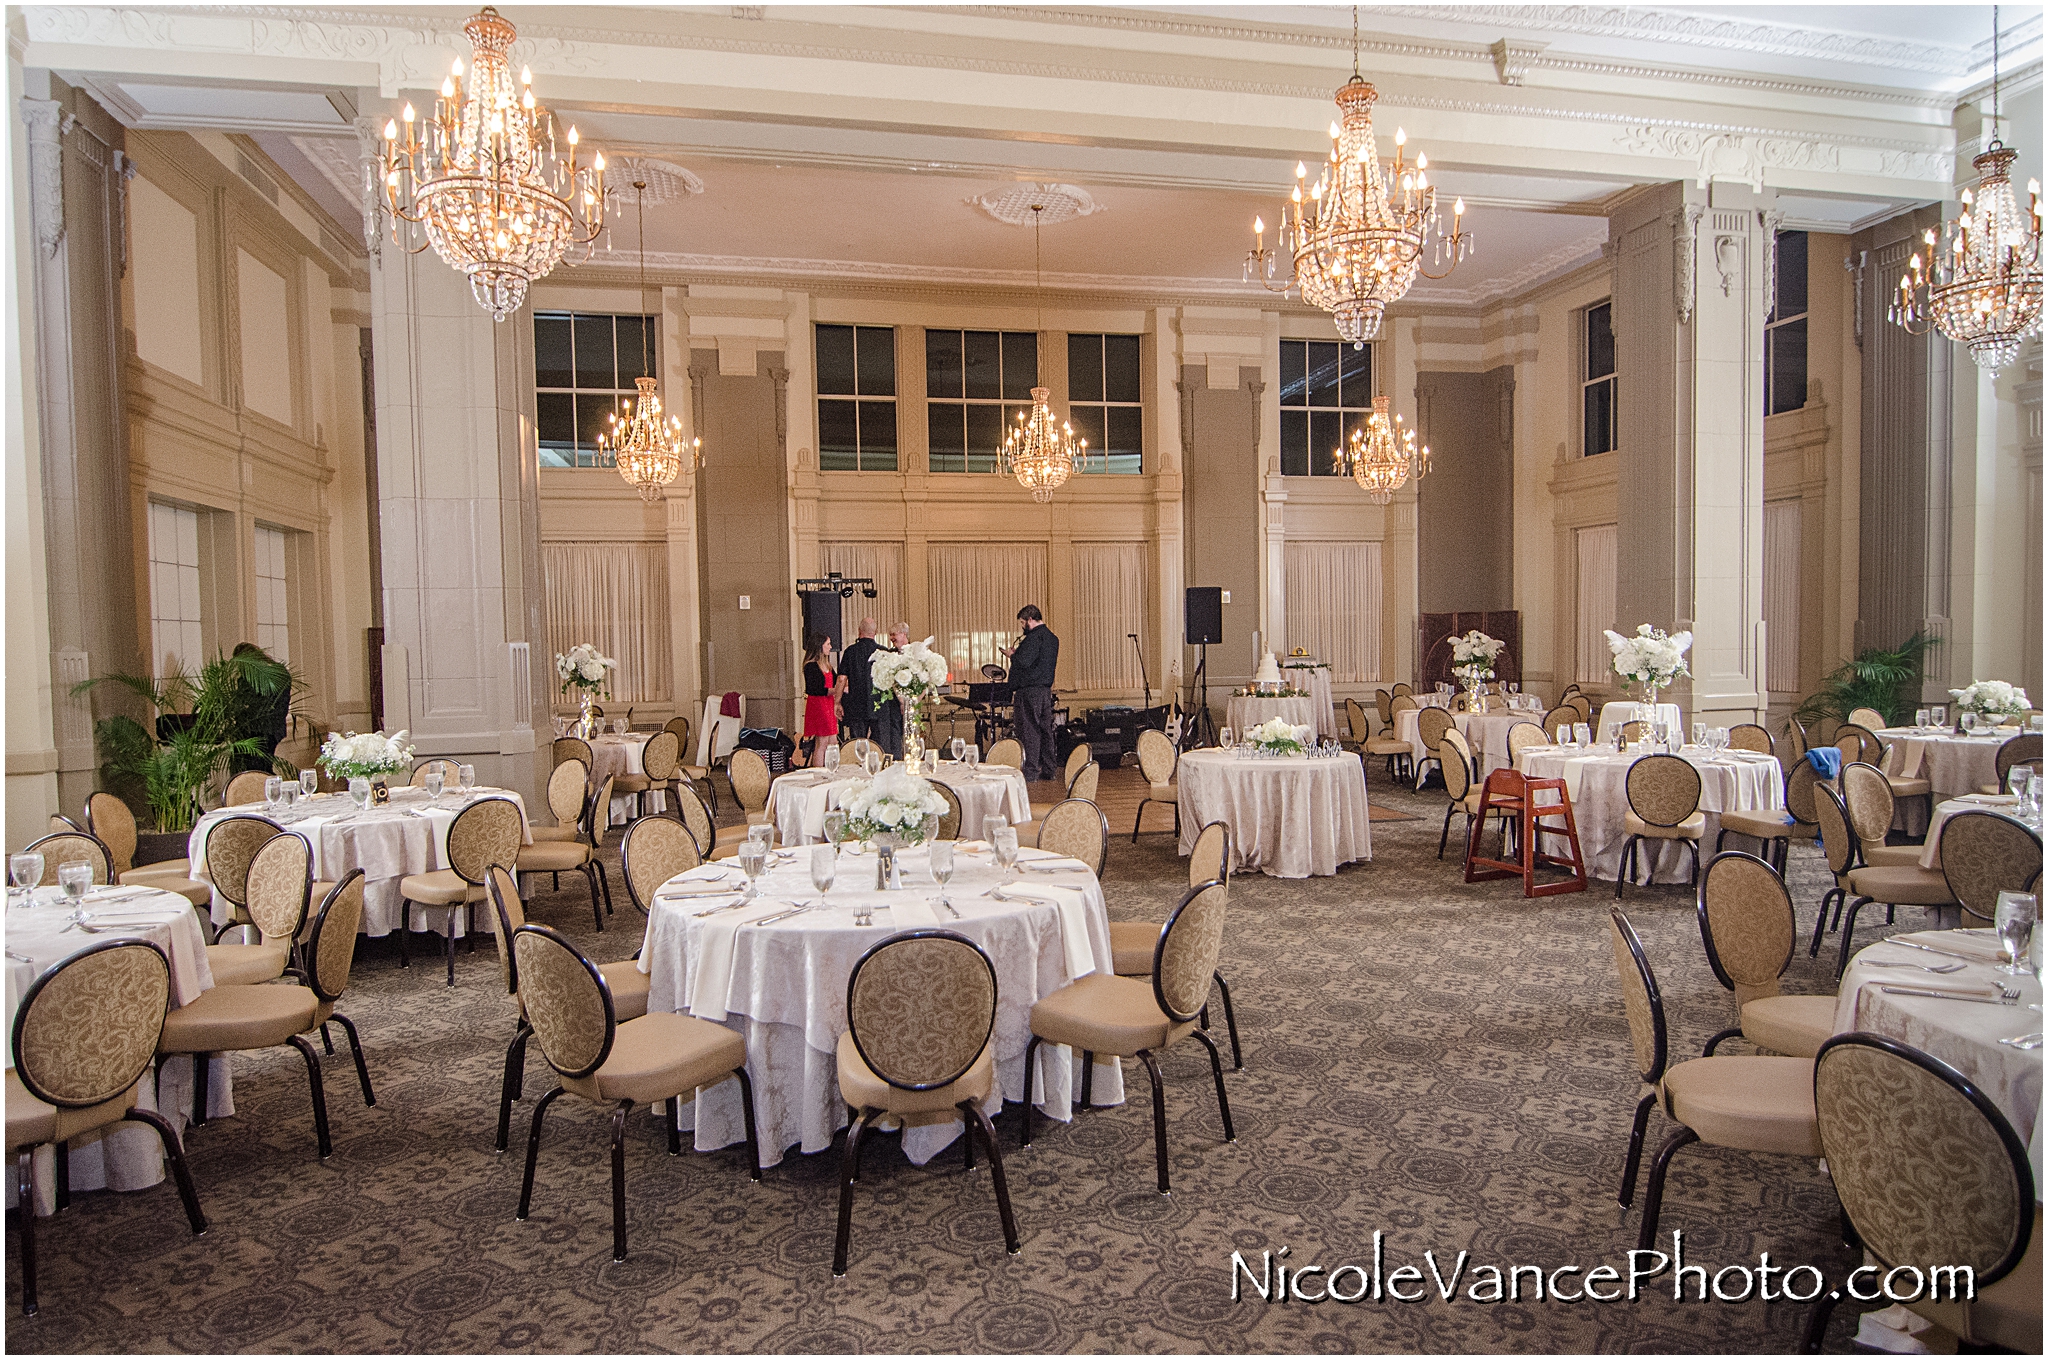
column 1945, row 996
column 1946, row 953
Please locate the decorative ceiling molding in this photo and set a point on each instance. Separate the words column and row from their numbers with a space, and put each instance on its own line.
column 1057, row 203
column 666, row 181
column 681, row 266
column 1564, row 259
column 338, row 160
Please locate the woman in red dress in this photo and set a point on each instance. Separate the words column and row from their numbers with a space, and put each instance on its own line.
column 821, row 695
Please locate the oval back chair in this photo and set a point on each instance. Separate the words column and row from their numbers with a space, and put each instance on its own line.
column 1858, row 743
column 1076, row 828
column 1210, row 859
column 1521, row 737
column 449, row 770
column 750, row 779
column 245, row 789
column 65, row 847
column 1663, row 804
column 1009, row 751
column 110, row 819
column 1986, row 855
column 1751, row 737
column 1086, row 780
column 573, row 748
column 653, row 851
column 2024, row 748
column 949, row 820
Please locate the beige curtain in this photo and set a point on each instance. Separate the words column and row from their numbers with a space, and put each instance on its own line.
column 615, row 597
column 1109, row 605
column 1781, row 594
column 1595, row 615
column 976, row 590
column 884, row 563
column 1333, row 606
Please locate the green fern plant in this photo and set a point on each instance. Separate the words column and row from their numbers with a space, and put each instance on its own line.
column 1876, row 677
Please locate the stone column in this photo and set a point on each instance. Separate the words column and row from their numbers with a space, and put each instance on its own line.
column 1689, row 303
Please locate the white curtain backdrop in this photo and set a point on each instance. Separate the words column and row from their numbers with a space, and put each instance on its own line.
column 976, row 590
column 883, row 562
column 615, row 597
column 1109, row 604
column 1597, row 548
column 1781, row 594
column 1333, row 606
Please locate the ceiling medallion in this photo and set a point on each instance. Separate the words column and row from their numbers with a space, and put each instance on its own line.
column 648, row 448
column 486, row 180
column 1041, row 452
column 1982, row 287
column 1383, row 457
column 1050, row 204
column 1355, row 249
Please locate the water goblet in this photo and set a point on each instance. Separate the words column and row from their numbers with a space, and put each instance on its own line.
column 2016, row 781
column 959, row 747
column 1938, row 715
column 465, row 775
column 436, row 781
column 1006, row 851
column 273, row 789
column 872, row 762
column 991, row 826
column 1969, row 722
column 835, row 827
column 824, row 867
column 830, row 759
column 1226, row 738
column 287, row 796
column 359, row 793
column 972, row 756
column 74, row 877
column 1582, row 734
column 942, row 870
column 1919, row 720
column 26, row 871
column 619, row 727
column 753, row 858
column 1699, row 734
column 309, row 781
column 2015, row 922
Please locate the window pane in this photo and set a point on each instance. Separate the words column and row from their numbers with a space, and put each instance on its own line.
column 835, row 361
column 555, row 418
column 1088, row 425
column 946, row 428
column 1600, row 417
column 942, row 364
column 553, row 363
column 1325, row 433
column 1294, row 374
column 984, row 432
column 837, row 436
column 1599, row 341
column 1356, row 365
column 877, row 361
column 594, row 366
column 1020, row 364
column 1322, row 373
column 1293, row 434
column 1791, row 274
column 878, row 436
column 1084, row 368
column 983, row 364
column 1787, row 378
column 636, row 349
column 1120, row 367
column 591, row 413
column 1126, row 443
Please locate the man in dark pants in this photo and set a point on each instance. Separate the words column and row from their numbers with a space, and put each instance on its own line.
column 855, row 663
column 1032, row 663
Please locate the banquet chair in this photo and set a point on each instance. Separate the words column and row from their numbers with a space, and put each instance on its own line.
column 1461, row 703
column 629, row 986
column 568, row 795
column 1077, row 763
column 245, row 788
column 949, row 820
column 750, row 780
column 2023, row 749
column 108, row 818
column 1663, row 805
column 1077, row 829
column 1403, row 689
column 1131, row 943
column 1904, row 885
column 1008, row 751
column 1399, row 755
column 573, row 748
column 1585, row 709
column 230, row 844
column 241, row 1018
column 1867, row 798
column 1992, row 854
column 1462, row 786
column 1894, row 1120
column 1751, row 737
column 1867, row 718
column 1792, row 745
column 84, row 1037
column 1563, row 716
column 855, row 751
column 552, row 857
column 1430, row 726
column 920, row 1018
column 449, row 770
column 1749, row 928
column 599, row 1058
column 658, row 761
column 278, row 890
column 1635, row 730
column 484, row 833
column 1404, row 701
column 1357, row 727
column 1383, row 700
column 698, row 776
column 652, row 851
column 715, row 841
column 60, row 825
column 1857, row 742
column 1776, row 828
column 1521, row 737
column 1157, row 761
column 66, row 847
column 1750, row 1104
column 1103, row 1014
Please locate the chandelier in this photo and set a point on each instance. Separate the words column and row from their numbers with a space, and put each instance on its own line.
column 1041, row 452
column 1982, row 286
column 648, row 447
column 1383, row 457
column 486, row 180
column 1355, row 248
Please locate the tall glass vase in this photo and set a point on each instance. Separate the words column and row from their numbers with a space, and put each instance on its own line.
column 586, row 722
column 913, row 733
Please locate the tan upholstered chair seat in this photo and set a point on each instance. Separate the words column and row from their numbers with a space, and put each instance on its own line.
column 246, row 964
column 1906, row 887
column 1893, row 856
column 862, row 1089
column 163, row 868
column 231, row 1018
column 1763, row 824
column 551, row 856
column 31, row 1122
column 1908, row 788
column 662, row 1055
column 1795, row 1026
column 630, row 783
column 760, row 818
column 1388, row 746
column 1105, row 1014
column 1757, row 1104
column 197, row 893
column 441, row 888
column 1691, row 829
column 1132, row 944
column 629, row 988
column 2006, row 1312
column 727, row 842
column 545, row 835
column 1164, row 793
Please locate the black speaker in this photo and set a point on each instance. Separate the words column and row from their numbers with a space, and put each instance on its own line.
column 822, row 615
column 1205, row 615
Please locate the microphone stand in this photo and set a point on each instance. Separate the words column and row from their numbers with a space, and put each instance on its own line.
column 1142, row 676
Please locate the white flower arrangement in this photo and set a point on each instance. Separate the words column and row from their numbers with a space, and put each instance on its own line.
column 346, row 756
column 1992, row 699
column 1651, row 657
column 895, row 802
column 1275, row 737
column 584, row 667
column 911, row 674
column 1473, row 655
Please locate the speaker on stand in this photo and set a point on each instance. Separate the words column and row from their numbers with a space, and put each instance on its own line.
column 1203, row 625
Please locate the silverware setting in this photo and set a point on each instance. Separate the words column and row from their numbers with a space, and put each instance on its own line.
column 1923, row 967
column 1945, row 953
column 785, row 915
column 2006, row 995
column 713, row 911
column 2027, row 1042
column 21, row 958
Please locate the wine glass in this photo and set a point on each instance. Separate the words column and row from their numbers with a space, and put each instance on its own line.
column 959, row 747
column 972, row 756
column 273, row 789
column 465, row 775
column 2015, row 927
column 942, row 870
column 26, row 870
column 436, row 780
column 287, row 796
column 753, row 858
column 359, row 793
column 1226, row 738
column 830, row 760
column 1919, row 720
column 1006, row 850
column 2017, row 779
column 309, row 781
column 1938, row 715
column 74, row 877
column 872, row 762
column 1699, row 734
column 824, row 867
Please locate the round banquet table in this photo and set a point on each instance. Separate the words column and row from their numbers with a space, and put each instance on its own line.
column 1953, row 765
column 1963, row 1034
column 1249, row 710
column 801, row 798
column 783, row 985
column 408, row 835
column 1613, row 715
column 1487, row 732
column 2004, row 804
column 612, row 756
column 1290, row 816
column 1314, row 677
column 126, row 1156
column 1734, row 781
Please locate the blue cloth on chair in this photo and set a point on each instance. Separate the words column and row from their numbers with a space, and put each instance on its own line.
column 1826, row 761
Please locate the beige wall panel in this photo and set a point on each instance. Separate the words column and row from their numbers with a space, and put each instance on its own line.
column 265, row 339
column 164, row 262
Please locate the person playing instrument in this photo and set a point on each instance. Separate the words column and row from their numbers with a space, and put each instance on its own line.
column 822, row 687
column 1032, row 663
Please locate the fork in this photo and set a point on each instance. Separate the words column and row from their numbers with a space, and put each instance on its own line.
column 1923, row 967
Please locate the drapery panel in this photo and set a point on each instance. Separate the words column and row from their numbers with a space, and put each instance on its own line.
column 1333, row 606
column 1595, row 615
column 884, row 563
column 976, row 590
column 1781, row 594
column 615, row 597
column 1109, row 605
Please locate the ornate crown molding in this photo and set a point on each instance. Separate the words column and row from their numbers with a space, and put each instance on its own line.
column 665, row 180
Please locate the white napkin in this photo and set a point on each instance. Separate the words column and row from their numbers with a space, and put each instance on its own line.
column 713, row 976
column 816, row 800
column 1045, row 862
column 913, row 914
column 1073, row 923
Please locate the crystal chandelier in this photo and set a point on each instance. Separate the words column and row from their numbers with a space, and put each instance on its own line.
column 1355, row 250
column 1383, row 457
column 648, row 447
column 1982, row 286
column 486, row 181
column 1041, row 452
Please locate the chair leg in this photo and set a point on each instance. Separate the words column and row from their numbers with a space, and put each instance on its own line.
column 63, row 1160
column 1445, row 839
column 1820, row 924
column 1694, row 881
column 1624, row 871
column 672, row 1115
column 1222, row 1096
column 1848, row 936
column 25, row 1200
column 1654, row 1200
column 619, row 1179
column 604, row 880
column 1715, row 1042
column 1151, row 1062
column 451, row 947
column 1087, row 1081
column 355, row 1046
column 404, row 929
column 319, row 1093
column 848, row 1160
column 977, row 1120
column 515, row 1064
column 1634, row 1161
column 540, row 1112
column 590, row 876
column 174, row 1153
column 1139, row 820
column 1817, row 1322
column 1024, row 1115
column 201, row 1064
column 1720, row 839
column 1230, row 1023
column 747, row 1111
column 326, row 1039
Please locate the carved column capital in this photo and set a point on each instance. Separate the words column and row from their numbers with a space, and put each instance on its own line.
column 1257, row 387
column 47, row 123
column 1771, row 220
column 1685, row 223
column 780, row 377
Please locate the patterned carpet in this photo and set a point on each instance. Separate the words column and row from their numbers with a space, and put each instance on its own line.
column 1446, row 1065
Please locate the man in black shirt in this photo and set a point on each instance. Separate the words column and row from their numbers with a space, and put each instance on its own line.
column 855, row 663
column 1032, row 663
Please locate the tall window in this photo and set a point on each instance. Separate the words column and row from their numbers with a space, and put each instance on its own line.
column 583, row 363
column 273, row 623
column 1596, row 396
column 176, row 641
column 1325, row 392
column 857, row 398
column 1785, row 332
column 977, row 383
column 1103, row 402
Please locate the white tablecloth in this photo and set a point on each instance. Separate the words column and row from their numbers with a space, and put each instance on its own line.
column 1614, row 714
column 1736, row 781
column 801, row 798
column 1930, row 854
column 1962, row 1034
column 128, row 1156
column 1953, row 765
column 409, row 835
column 1247, row 711
column 613, row 756
column 1487, row 732
column 1316, row 680
column 1290, row 817
column 787, row 989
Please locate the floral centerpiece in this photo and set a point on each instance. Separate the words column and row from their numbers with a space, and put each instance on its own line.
column 895, row 803
column 1651, row 658
column 1284, row 692
column 370, row 755
column 1472, row 658
column 1991, row 699
column 587, row 670
column 1274, row 737
column 910, row 677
